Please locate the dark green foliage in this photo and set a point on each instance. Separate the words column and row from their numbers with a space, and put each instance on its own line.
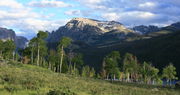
column 88, row 72
column 1, row 48
column 7, row 49
column 42, row 34
column 160, row 50
column 149, row 73
column 169, row 73
column 61, row 92
column 37, row 48
column 111, row 64
column 64, row 42
column 130, row 67
column 77, row 61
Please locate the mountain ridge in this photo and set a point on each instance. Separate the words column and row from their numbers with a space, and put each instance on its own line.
column 89, row 31
column 9, row 34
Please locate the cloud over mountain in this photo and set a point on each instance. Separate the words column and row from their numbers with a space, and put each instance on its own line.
column 29, row 16
column 49, row 3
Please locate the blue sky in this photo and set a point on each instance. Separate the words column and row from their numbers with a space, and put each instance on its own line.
column 26, row 17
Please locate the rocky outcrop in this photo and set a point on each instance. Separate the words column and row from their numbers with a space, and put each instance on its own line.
column 9, row 34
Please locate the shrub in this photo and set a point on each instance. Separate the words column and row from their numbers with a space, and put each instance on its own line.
column 61, row 92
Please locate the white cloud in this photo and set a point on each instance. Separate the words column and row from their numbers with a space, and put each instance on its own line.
column 129, row 15
column 92, row 1
column 73, row 12
column 94, row 4
column 147, row 5
column 18, row 14
column 49, row 3
column 130, row 18
column 111, row 16
column 25, row 21
column 11, row 4
column 128, row 12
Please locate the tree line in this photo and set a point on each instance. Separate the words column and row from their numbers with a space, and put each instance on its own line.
column 58, row 60
column 129, row 69
column 114, row 66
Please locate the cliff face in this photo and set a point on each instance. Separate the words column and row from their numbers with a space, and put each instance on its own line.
column 9, row 34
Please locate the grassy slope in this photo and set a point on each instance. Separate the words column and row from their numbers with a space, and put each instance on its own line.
column 20, row 79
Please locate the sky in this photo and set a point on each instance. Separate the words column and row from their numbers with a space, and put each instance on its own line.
column 26, row 17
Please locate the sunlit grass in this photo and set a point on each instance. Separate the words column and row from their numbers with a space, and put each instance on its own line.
column 23, row 79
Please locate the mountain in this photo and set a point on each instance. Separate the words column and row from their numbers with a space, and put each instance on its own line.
column 160, row 50
column 90, row 31
column 95, row 39
column 151, row 28
column 21, row 41
column 146, row 29
column 9, row 34
column 172, row 27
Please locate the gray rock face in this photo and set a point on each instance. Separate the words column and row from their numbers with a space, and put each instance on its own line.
column 89, row 30
column 146, row 29
column 21, row 41
column 9, row 34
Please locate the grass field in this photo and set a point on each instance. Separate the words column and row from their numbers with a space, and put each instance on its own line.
column 22, row 79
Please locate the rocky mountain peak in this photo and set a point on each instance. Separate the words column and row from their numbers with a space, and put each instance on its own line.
column 7, row 34
column 90, row 30
column 80, row 23
column 104, row 26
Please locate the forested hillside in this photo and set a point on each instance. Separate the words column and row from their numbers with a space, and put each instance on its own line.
column 160, row 51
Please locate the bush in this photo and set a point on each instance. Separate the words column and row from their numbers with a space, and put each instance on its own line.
column 61, row 92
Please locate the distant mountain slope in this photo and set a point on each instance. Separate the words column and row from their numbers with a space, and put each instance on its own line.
column 95, row 39
column 9, row 34
column 90, row 31
column 160, row 50
column 172, row 27
column 146, row 29
column 151, row 28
